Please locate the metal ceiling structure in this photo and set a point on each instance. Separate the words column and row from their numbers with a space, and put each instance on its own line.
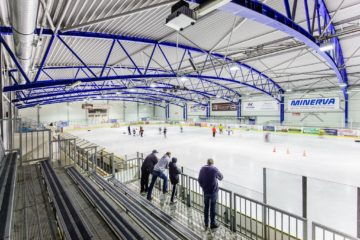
column 121, row 50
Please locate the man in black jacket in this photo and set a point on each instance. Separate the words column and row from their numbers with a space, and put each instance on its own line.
column 174, row 172
column 146, row 168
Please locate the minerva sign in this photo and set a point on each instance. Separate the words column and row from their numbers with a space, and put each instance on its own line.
column 314, row 104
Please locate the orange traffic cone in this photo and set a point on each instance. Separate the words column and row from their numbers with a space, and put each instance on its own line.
column 287, row 151
column 304, row 153
column 274, row 150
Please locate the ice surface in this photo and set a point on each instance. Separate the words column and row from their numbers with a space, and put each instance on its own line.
column 242, row 155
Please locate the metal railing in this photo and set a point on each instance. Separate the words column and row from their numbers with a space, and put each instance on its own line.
column 239, row 213
column 320, row 232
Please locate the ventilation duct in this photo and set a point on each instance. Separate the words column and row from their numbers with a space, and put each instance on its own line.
column 23, row 15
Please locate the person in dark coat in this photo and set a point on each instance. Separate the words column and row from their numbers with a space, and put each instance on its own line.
column 208, row 180
column 174, row 172
column 165, row 131
column 129, row 130
column 146, row 168
column 141, row 131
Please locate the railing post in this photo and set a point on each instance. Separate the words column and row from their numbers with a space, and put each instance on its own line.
column 87, row 160
column 313, row 231
column 305, row 231
column 264, row 206
column 138, row 164
column 233, row 217
column 112, row 165
column 188, row 197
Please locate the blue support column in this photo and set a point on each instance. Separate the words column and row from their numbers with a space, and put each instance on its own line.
column 238, row 110
column 208, row 110
column 167, row 111
column 282, row 110
column 185, row 112
column 346, row 111
column 287, row 7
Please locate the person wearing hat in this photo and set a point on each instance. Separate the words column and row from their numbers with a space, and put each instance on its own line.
column 174, row 172
column 208, row 180
column 146, row 168
column 159, row 171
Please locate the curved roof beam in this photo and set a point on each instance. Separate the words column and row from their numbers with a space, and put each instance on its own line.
column 33, row 104
column 222, row 90
column 254, row 78
column 149, row 92
column 262, row 13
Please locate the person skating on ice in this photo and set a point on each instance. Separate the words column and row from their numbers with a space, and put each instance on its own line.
column 134, row 132
column 141, row 131
column 129, row 130
column 213, row 131
column 165, row 131
column 221, row 128
column 160, row 130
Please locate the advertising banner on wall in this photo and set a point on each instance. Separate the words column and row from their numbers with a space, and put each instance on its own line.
column 269, row 128
column 330, row 131
column 282, row 129
column 347, row 132
column 223, row 107
column 314, row 104
column 311, row 130
column 262, row 106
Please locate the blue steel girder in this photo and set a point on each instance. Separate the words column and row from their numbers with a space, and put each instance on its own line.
column 214, row 89
column 260, row 82
column 142, row 101
column 121, row 92
column 262, row 13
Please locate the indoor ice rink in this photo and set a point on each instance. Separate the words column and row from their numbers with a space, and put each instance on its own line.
column 174, row 119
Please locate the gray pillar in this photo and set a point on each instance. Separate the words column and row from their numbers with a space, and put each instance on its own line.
column 1, row 93
column 10, row 127
column 124, row 111
column 304, row 196
column 358, row 212
column 68, row 112
column 38, row 115
column 137, row 111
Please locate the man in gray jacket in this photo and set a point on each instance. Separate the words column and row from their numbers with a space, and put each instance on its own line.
column 159, row 171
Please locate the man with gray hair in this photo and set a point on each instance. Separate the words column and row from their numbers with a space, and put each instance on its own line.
column 208, row 180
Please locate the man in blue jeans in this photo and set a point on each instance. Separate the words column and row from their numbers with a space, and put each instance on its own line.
column 159, row 171
column 208, row 180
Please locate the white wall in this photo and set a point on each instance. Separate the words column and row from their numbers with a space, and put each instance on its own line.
column 261, row 117
column 124, row 111
column 132, row 112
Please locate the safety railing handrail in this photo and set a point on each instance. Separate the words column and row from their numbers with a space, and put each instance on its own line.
column 333, row 231
column 272, row 207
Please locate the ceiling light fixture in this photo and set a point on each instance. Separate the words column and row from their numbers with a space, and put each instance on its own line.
column 73, row 85
column 326, row 47
column 184, row 79
column 234, row 68
column 342, row 85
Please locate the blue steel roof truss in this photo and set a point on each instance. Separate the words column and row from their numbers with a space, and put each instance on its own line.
column 211, row 85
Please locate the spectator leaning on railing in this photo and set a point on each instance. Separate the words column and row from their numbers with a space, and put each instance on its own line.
column 208, row 180
column 174, row 172
column 159, row 171
column 146, row 169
